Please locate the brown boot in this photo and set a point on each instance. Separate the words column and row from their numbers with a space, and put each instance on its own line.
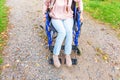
column 56, row 61
column 68, row 61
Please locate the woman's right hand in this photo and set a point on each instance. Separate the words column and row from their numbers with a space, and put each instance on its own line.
column 44, row 19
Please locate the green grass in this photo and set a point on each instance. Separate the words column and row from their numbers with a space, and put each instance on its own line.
column 3, row 15
column 3, row 25
column 107, row 11
column 1, row 59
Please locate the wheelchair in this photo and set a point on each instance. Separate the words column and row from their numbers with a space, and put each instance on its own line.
column 52, row 33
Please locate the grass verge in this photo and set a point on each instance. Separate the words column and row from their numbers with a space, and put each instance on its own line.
column 107, row 11
column 3, row 26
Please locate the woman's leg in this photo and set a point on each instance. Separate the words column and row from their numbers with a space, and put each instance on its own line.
column 68, row 24
column 58, row 25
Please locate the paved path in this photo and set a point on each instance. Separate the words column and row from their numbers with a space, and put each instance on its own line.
column 26, row 56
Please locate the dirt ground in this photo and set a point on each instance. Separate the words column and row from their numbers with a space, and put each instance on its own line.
column 26, row 56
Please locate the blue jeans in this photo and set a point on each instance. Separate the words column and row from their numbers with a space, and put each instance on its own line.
column 64, row 29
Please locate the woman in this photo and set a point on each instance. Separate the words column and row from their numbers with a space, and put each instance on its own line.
column 62, row 20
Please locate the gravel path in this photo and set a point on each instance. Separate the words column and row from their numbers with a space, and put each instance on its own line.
column 26, row 56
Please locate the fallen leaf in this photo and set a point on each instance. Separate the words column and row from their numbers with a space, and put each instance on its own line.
column 47, row 57
column 37, row 64
column 117, row 68
column 96, row 60
column 89, row 42
column 105, row 57
column 6, row 66
column 17, row 60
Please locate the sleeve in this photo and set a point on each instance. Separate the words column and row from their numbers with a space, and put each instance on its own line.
column 80, row 4
column 45, row 6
